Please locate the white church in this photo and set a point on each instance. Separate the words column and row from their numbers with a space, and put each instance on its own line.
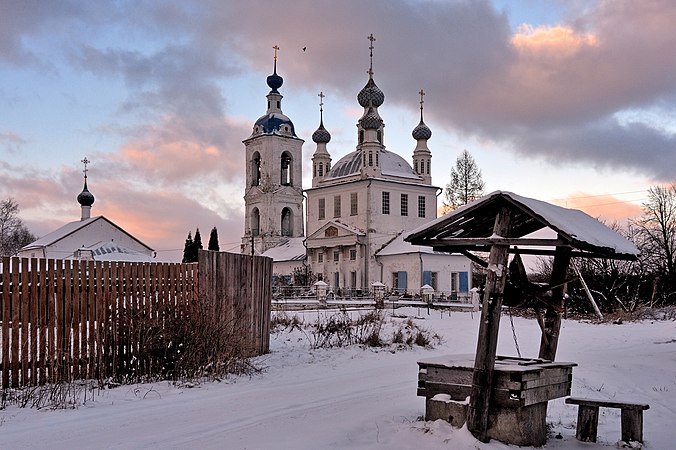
column 357, row 209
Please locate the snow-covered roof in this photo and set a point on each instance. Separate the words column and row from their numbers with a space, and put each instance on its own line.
column 288, row 249
column 400, row 247
column 476, row 220
column 70, row 228
column 110, row 251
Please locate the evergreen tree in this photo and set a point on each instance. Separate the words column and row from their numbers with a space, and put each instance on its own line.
column 466, row 183
column 213, row 240
column 187, row 249
column 197, row 245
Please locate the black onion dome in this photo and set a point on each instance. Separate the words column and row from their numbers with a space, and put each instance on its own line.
column 371, row 120
column 422, row 131
column 85, row 198
column 370, row 95
column 275, row 81
column 321, row 136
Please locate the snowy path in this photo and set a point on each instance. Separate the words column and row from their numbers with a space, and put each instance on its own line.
column 354, row 398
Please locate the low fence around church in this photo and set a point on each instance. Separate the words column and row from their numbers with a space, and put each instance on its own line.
column 63, row 320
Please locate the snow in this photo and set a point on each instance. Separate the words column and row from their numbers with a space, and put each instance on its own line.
column 363, row 398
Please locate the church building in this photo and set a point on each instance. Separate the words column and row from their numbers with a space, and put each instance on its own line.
column 357, row 208
column 90, row 238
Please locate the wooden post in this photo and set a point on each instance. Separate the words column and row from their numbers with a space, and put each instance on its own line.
column 484, row 361
column 550, row 335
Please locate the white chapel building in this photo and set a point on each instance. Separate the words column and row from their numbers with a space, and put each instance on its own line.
column 90, row 238
column 357, row 209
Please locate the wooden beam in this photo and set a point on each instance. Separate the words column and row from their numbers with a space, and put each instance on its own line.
column 550, row 337
column 484, row 361
column 482, row 242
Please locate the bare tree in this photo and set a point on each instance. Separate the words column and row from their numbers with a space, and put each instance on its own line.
column 655, row 232
column 13, row 232
column 466, row 183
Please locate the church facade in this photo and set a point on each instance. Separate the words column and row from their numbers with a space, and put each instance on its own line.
column 357, row 208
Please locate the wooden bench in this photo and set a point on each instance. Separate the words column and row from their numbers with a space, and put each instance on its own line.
column 588, row 418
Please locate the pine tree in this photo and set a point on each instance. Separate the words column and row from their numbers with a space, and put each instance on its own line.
column 187, row 249
column 196, row 245
column 213, row 240
column 466, row 183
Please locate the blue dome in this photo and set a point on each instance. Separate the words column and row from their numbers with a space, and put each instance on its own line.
column 321, row 136
column 422, row 131
column 275, row 122
column 370, row 95
column 371, row 120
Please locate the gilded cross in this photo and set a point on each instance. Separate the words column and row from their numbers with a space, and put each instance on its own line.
column 276, row 47
column 372, row 39
column 321, row 100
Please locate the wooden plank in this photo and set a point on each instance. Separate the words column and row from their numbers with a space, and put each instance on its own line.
column 24, row 356
column 477, row 417
column 92, row 283
column 70, row 284
column 34, row 321
column 587, row 423
column 43, row 295
column 607, row 403
column 632, row 425
column 549, row 340
column 55, row 307
column 16, row 313
column 6, row 313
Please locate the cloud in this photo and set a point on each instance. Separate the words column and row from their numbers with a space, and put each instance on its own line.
column 11, row 142
column 551, row 92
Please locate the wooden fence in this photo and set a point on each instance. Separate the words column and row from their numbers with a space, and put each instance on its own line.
column 63, row 320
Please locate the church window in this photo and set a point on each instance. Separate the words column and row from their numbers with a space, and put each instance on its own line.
column 430, row 278
column 336, row 256
column 321, row 169
column 256, row 170
column 429, row 164
column 421, row 206
column 361, row 136
column 279, row 104
column 380, row 136
column 399, row 281
column 404, row 204
column 255, row 222
column 321, row 208
column 370, row 158
column 354, row 205
column 286, row 170
column 320, row 257
column 287, row 222
column 353, row 280
column 415, row 166
column 386, row 203
column 353, row 254
column 377, row 160
column 336, row 206
column 331, row 232
column 364, row 164
column 328, row 167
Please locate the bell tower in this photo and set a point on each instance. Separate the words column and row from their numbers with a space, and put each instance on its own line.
column 273, row 195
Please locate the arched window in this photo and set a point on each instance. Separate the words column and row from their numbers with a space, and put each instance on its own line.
column 321, row 169
column 287, row 222
column 286, row 170
column 256, row 169
column 370, row 158
column 429, row 165
column 415, row 166
column 255, row 222
column 361, row 136
column 380, row 136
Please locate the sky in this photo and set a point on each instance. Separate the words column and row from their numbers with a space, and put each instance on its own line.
column 570, row 102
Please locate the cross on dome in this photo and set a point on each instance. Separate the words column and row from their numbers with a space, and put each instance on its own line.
column 85, row 161
column 372, row 39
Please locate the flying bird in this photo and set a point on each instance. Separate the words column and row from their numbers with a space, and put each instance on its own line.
column 304, row 48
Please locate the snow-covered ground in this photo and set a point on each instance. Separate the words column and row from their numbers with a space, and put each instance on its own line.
column 363, row 398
